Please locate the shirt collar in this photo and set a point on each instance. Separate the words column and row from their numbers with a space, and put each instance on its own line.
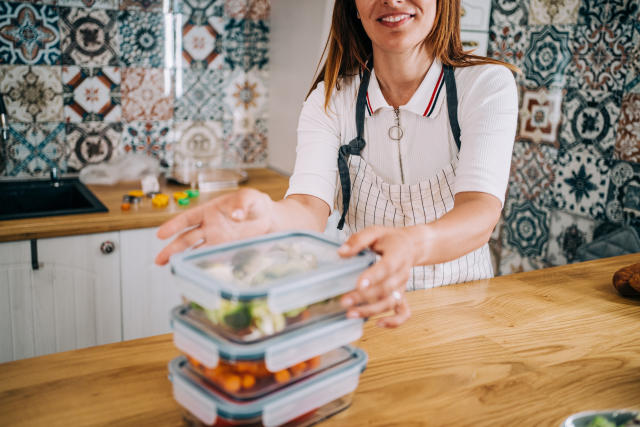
column 424, row 102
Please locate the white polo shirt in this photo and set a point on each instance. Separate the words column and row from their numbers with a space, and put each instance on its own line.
column 487, row 113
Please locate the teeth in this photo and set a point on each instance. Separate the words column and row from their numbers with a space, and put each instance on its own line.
column 394, row 18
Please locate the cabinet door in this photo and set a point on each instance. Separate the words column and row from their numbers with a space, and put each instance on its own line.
column 475, row 14
column 71, row 301
column 148, row 291
column 472, row 40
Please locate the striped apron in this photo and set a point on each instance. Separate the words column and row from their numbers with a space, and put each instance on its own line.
column 368, row 200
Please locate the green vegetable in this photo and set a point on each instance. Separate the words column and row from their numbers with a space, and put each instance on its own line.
column 601, row 421
column 240, row 318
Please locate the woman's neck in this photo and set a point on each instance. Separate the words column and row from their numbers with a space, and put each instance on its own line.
column 400, row 74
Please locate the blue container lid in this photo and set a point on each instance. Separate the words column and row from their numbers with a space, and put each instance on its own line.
column 289, row 269
column 193, row 393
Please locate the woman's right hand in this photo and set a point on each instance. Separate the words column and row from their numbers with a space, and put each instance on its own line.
column 241, row 214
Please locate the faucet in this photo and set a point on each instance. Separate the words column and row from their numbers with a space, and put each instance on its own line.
column 4, row 135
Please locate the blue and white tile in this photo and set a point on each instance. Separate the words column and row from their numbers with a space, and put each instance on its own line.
column 599, row 12
column 145, row 5
column 246, row 95
column 34, row 148
column 91, row 143
column 150, row 138
column 142, row 36
column 581, row 183
column 248, row 9
column 532, row 172
column 623, row 197
column 89, row 36
column 245, row 44
column 32, row 93
column 600, row 57
column 633, row 71
column 508, row 42
column 29, row 34
column 567, row 233
column 91, row 94
column 89, row 4
column 589, row 119
column 199, row 11
column 202, row 96
column 515, row 12
column 526, row 228
column 547, row 56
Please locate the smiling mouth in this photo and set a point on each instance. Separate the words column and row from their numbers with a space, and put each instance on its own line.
column 396, row 18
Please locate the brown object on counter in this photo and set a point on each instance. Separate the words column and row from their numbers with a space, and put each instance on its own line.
column 627, row 280
column 142, row 215
column 527, row 349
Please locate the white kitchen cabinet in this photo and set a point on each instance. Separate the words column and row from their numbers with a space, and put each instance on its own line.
column 148, row 291
column 475, row 14
column 72, row 300
column 476, row 41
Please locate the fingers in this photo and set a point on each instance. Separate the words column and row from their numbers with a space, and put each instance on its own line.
column 184, row 220
column 240, row 207
column 360, row 241
column 403, row 312
column 179, row 244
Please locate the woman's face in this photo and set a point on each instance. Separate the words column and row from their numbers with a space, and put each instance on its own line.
column 397, row 25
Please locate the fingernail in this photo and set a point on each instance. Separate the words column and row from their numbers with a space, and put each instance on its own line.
column 352, row 315
column 347, row 302
column 237, row 214
column 364, row 283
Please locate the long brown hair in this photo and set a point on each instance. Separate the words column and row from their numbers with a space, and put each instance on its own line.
column 349, row 46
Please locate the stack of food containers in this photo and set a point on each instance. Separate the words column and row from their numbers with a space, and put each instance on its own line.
column 264, row 337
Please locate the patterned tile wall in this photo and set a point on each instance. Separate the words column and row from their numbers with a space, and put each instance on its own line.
column 88, row 80
column 576, row 163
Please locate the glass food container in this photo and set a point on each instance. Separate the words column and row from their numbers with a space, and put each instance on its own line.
column 256, row 288
column 299, row 404
column 248, row 371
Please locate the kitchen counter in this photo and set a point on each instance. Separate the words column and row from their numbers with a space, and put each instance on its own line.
column 526, row 350
column 143, row 216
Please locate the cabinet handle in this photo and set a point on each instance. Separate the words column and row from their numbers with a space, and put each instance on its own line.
column 107, row 247
column 463, row 11
column 35, row 265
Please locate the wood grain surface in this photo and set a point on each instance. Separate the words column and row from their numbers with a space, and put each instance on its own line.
column 521, row 350
column 143, row 216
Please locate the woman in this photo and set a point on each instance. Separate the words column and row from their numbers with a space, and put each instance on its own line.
column 420, row 135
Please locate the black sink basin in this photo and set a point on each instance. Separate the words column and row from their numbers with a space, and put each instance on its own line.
column 31, row 199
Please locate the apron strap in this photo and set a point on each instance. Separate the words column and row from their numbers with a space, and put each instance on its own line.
column 355, row 146
column 452, row 102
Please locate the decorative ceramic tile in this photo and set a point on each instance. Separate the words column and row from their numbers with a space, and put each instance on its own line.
column 51, row 2
column 628, row 135
column 248, row 9
column 29, row 34
column 146, row 5
column 582, row 179
column 91, row 94
column 532, row 173
column 623, row 198
column 539, row 117
column 515, row 12
column 199, row 11
column 89, row 37
column 198, row 141
column 512, row 262
column 141, row 38
column 633, row 62
column 93, row 4
column 245, row 44
column 508, row 42
column 566, row 234
column 526, row 227
column 151, row 138
column 202, row 96
column 247, row 97
column 543, row 12
column 248, row 149
column 146, row 94
column 589, row 118
column 34, row 148
column 32, row 94
column 598, row 12
column 600, row 58
column 201, row 44
column 91, row 143
column 548, row 55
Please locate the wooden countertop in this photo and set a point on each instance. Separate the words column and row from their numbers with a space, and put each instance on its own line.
column 143, row 216
column 524, row 350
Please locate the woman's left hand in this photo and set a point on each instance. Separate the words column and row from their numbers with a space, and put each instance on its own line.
column 381, row 287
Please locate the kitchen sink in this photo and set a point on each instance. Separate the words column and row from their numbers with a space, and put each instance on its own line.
column 31, row 199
